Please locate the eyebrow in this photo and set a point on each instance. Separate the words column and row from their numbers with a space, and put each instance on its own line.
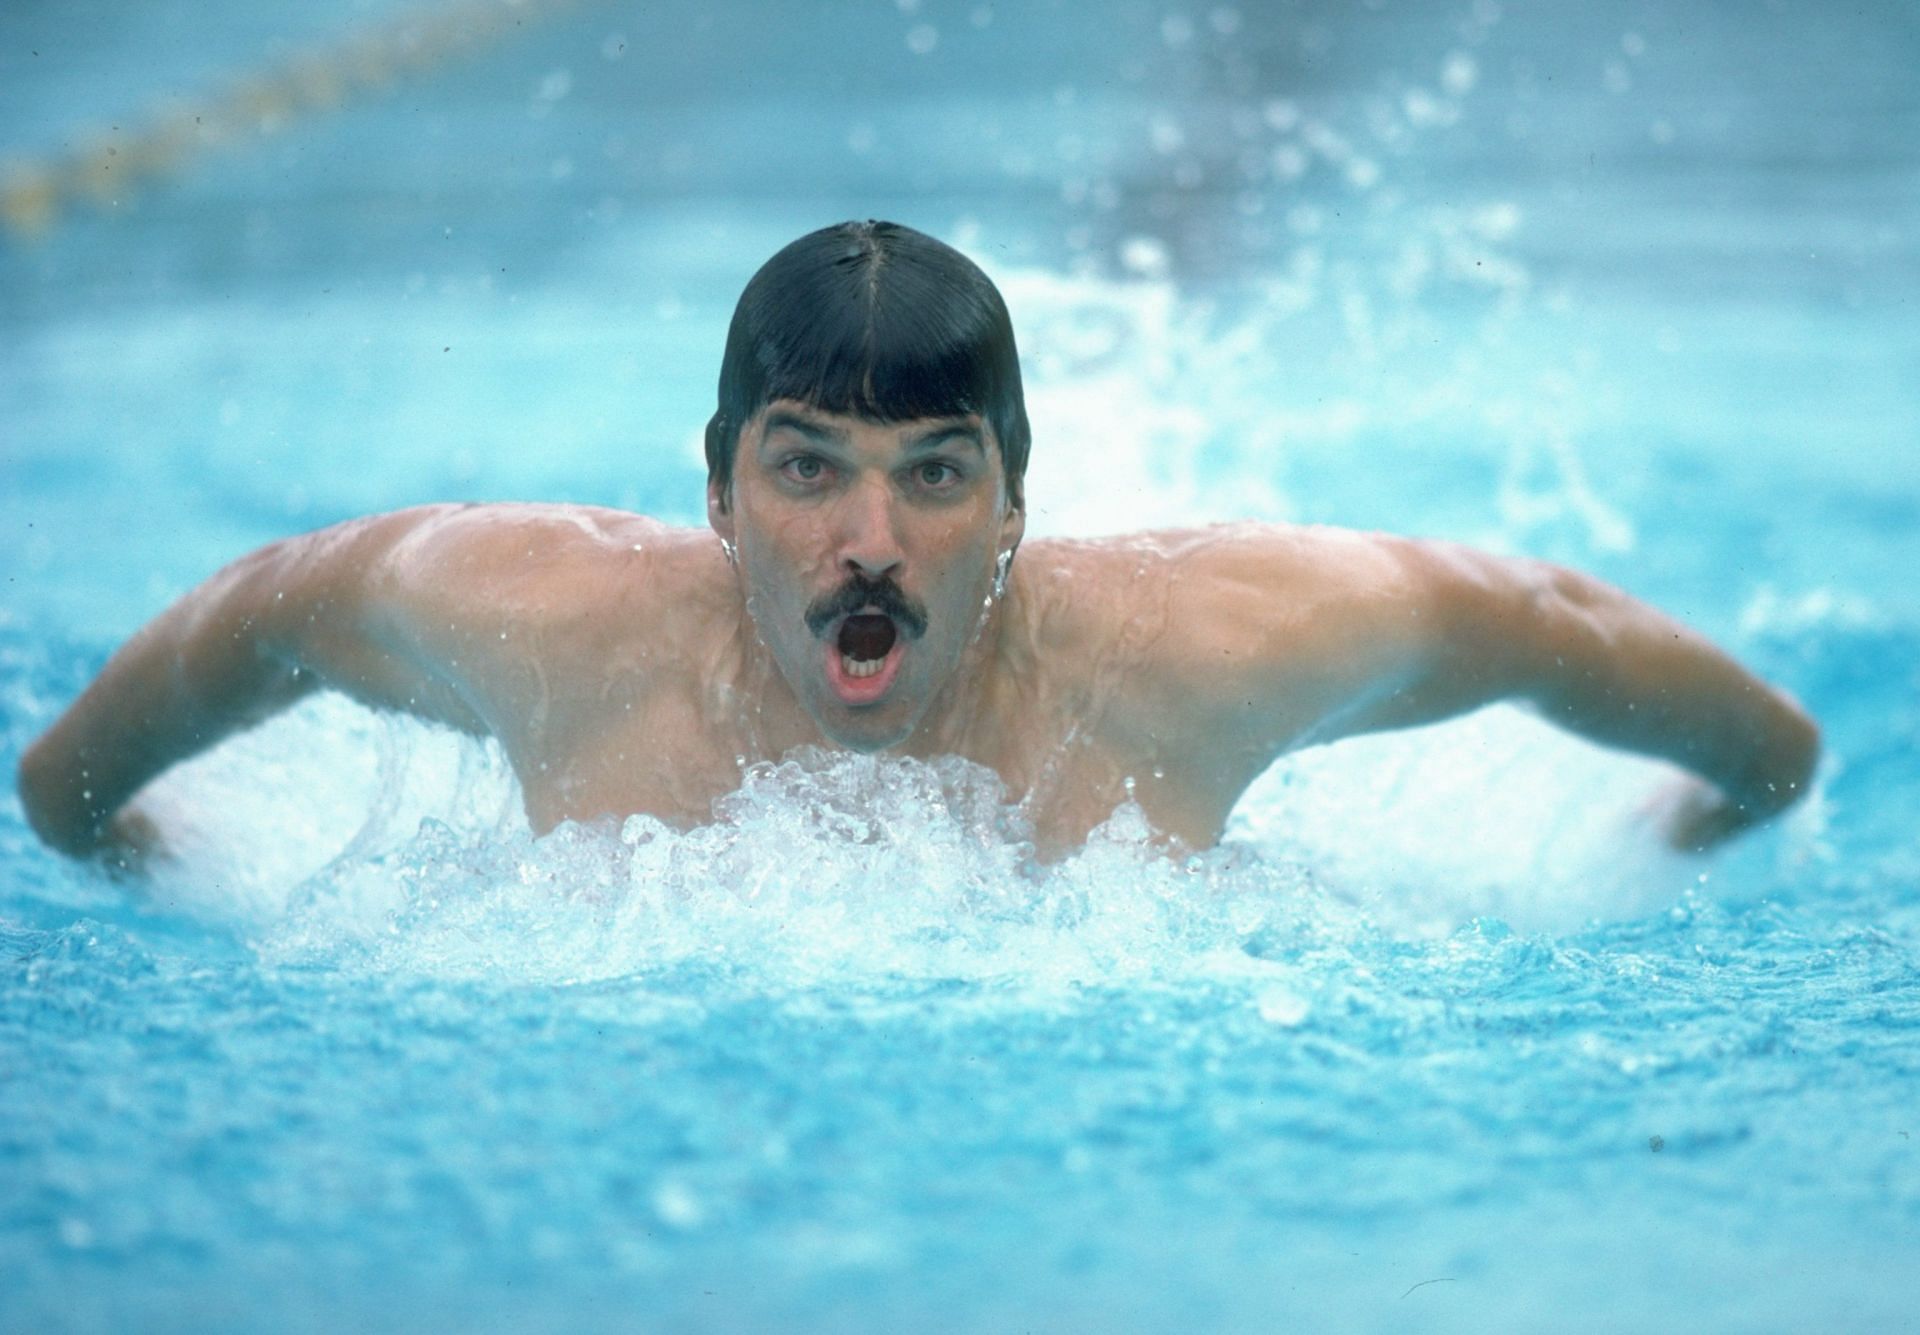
column 822, row 433
column 933, row 438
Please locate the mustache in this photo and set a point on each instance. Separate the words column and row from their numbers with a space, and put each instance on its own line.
column 858, row 592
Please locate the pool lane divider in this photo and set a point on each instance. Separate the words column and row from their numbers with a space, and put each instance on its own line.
column 109, row 167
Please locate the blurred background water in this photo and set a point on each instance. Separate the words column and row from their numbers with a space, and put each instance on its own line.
column 1621, row 284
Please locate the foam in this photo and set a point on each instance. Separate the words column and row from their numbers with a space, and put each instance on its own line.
column 826, row 870
column 408, row 854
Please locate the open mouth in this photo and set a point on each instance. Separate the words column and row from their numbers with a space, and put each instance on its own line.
column 863, row 657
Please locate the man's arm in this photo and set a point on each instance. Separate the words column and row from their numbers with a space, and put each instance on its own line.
column 252, row 640
column 1325, row 633
column 1616, row 671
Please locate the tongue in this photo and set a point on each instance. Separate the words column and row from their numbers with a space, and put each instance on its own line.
column 867, row 637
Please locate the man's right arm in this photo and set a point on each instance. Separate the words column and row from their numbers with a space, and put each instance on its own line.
column 252, row 640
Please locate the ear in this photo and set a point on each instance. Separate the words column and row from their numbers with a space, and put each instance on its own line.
column 1013, row 525
column 720, row 509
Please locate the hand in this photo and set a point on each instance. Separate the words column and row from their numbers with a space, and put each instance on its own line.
column 1693, row 816
column 131, row 845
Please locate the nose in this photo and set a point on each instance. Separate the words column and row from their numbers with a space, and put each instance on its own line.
column 869, row 540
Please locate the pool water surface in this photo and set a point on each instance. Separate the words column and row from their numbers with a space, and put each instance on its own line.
column 1440, row 1036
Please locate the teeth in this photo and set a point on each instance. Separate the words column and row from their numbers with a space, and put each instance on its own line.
column 856, row 667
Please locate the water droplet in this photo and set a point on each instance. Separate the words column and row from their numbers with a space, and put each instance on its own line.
column 1281, row 115
column 677, row 1206
column 1459, row 74
column 1279, row 1006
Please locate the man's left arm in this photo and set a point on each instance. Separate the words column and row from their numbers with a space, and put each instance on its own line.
column 1609, row 668
column 1329, row 633
column 1614, row 670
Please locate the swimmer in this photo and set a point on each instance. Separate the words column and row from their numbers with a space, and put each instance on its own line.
column 863, row 584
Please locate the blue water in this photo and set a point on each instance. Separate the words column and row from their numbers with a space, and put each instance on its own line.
column 1439, row 1038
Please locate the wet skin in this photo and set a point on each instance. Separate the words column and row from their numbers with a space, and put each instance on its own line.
column 820, row 503
column 627, row 666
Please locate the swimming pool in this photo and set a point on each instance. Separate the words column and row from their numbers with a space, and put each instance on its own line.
column 1439, row 1038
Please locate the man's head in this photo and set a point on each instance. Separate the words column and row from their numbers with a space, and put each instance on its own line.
column 865, row 465
column 877, row 321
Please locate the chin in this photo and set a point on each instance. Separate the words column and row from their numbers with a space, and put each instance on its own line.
column 867, row 730
column 874, row 736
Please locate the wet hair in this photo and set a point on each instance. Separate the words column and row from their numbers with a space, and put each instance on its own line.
column 877, row 321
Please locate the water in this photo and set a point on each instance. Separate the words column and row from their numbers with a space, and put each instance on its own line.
column 1439, row 1035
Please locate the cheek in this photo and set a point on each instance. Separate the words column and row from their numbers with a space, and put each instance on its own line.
column 794, row 541
column 963, row 534
column 968, row 575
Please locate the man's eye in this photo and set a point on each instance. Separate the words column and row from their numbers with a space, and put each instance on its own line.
column 933, row 473
column 804, row 468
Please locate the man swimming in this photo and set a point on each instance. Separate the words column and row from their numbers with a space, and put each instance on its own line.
column 864, row 586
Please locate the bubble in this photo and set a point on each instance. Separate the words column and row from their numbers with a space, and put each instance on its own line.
column 922, row 38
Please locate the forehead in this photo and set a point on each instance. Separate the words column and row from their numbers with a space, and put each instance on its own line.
column 822, row 426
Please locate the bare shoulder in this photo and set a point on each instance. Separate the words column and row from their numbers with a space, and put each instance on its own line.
column 1270, row 626
column 551, row 566
column 519, row 611
column 1225, row 583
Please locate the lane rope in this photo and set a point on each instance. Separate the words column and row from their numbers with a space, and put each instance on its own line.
column 108, row 168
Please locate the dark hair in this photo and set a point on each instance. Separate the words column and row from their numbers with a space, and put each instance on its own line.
column 878, row 321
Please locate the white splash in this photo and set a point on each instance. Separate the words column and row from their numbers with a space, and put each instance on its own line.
column 407, row 854
column 829, row 870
